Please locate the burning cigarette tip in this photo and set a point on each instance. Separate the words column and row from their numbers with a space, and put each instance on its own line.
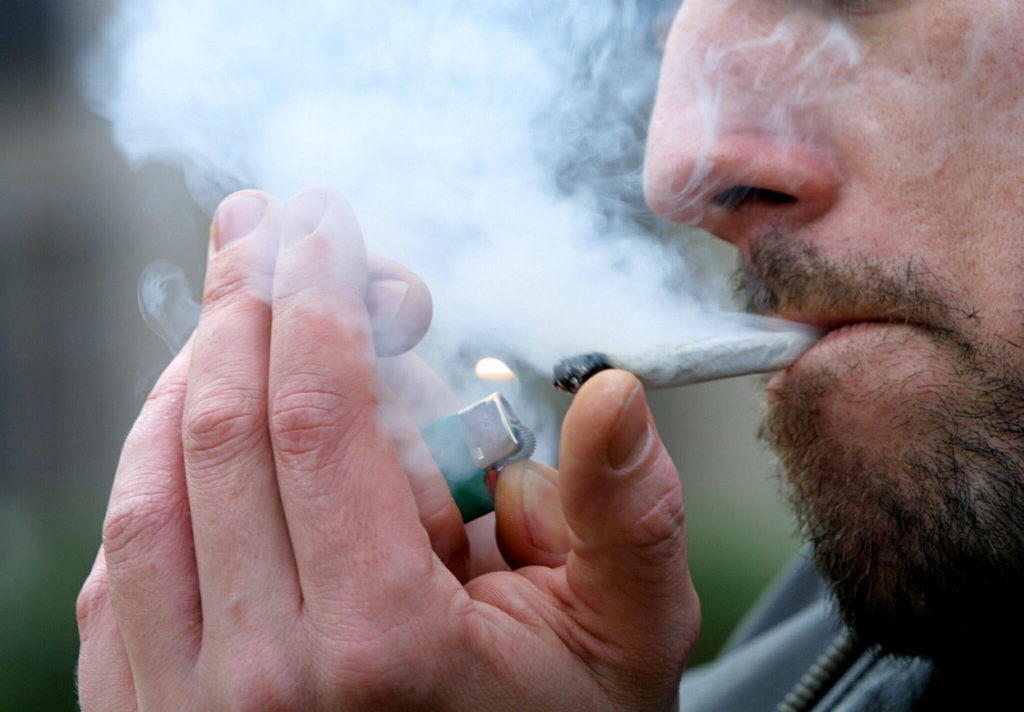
column 572, row 373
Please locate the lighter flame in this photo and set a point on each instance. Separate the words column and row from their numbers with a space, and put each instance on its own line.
column 492, row 369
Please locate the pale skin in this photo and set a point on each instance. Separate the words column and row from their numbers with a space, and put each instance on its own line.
column 267, row 548
column 914, row 158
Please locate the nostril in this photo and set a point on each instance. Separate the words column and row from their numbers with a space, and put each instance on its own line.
column 772, row 196
column 736, row 196
column 732, row 197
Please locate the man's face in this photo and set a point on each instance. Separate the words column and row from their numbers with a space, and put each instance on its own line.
column 867, row 160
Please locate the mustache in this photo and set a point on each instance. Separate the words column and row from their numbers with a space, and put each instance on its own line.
column 789, row 277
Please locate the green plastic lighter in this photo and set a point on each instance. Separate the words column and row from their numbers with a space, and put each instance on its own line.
column 471, row 446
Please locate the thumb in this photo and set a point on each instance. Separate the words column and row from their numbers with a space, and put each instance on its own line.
column 623, row 503
column 529, row 524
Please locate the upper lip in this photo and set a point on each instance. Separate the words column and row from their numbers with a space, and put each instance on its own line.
column 830, row 321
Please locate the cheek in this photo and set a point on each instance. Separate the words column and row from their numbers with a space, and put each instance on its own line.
column 930, row 125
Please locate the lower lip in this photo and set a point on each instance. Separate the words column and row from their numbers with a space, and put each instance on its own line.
column 839, row 334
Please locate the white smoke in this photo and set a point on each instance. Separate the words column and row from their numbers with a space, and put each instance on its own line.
column 493, row 146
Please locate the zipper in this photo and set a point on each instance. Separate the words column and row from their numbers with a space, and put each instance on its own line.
column 823, row 673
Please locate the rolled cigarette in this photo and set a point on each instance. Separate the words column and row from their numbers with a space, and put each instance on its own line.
column 693, row 361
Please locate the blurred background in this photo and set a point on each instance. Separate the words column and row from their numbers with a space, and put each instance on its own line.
column 77, row 227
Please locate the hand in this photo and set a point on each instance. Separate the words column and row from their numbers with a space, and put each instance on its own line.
column 263, row 547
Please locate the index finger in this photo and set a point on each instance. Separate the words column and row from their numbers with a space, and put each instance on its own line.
column 350, row 510
column 399, row 304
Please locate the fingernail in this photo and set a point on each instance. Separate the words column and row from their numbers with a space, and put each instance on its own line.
column 236, row 217
column 631, row 435
column 305, row 213
column 384, row 299
column 542, row 507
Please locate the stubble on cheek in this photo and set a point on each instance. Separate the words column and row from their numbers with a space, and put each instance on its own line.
column 910, row 492
column 903, row 451
column 845, row 423
column 854, row 500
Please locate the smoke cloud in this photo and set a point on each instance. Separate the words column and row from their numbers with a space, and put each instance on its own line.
column 494, row 147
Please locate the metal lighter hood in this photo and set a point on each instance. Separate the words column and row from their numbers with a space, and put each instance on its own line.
column 491, row 430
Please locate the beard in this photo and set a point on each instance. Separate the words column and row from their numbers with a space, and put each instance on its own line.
column 909, row 489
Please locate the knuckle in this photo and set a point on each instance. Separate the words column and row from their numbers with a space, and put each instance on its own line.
column 298, row 409
column 258, row 687
column 92, row 599
column 134, row 524
column 219, row 427
column 160, row 413
column 167, row 395
column 305, row 419
column 228, row 283
column 658, row 529
column 257, row 682
column 234, row 279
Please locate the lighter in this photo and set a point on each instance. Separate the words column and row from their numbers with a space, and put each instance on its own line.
column 471, row 446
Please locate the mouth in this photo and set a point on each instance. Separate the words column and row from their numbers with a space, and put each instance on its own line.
column 837, row 327
column 833, row 321
column 837, row 319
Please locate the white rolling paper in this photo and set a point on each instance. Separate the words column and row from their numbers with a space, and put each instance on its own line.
column 706, row 357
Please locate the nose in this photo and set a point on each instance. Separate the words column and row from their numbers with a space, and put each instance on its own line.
column 745, row 185
column 733, row 147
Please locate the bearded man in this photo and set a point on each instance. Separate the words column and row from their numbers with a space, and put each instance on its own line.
column 269, row 547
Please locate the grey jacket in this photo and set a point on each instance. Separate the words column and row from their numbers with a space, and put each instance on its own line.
column 791, row 654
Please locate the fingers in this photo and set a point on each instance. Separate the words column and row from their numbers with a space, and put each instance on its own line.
column 531, row 528
column 147, row 542
column 413, row 396
column 438, row 513
column 104, row 673
column 484, row 555
column 351, row 515
column 420, row 392
column 622, row 500
column 242, row 547
column 399, row 305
